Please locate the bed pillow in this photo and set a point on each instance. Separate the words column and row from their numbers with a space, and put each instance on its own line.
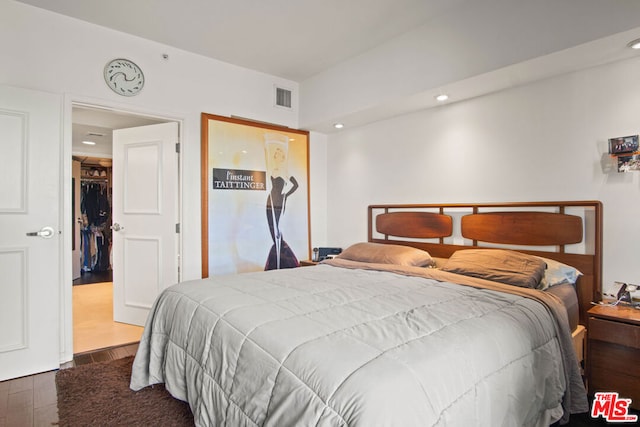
column 558, row 273
column 498, row 265
column 379, row 253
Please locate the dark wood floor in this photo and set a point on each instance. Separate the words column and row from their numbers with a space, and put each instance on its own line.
column 33, row 401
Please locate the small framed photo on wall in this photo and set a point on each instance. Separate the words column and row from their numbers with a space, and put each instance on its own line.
column 628, row 163
column 623, row 144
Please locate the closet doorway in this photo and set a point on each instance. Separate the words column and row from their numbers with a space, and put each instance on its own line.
column 92, row 253
column 92, row 179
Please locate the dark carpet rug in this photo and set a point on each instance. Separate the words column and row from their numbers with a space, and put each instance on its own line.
column 98, row 394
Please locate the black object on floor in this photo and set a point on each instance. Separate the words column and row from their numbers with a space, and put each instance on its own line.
column 89, row 277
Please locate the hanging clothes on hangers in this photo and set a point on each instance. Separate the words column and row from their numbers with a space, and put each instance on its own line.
column 96, row 231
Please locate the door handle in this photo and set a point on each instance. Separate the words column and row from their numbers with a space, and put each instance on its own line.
column 45, row 233
column 117, row 227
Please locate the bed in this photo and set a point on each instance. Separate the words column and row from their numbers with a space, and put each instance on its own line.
column 438, row 318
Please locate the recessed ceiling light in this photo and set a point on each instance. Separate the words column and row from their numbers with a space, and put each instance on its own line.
column 89, row 142
column 442, row 97
column 338, row 125
column 634, row 44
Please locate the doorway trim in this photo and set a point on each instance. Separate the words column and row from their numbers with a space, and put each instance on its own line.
column 66, row 272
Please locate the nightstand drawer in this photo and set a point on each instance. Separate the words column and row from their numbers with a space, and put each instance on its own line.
column 626, row 385
column 617, row 358
column 614, row 332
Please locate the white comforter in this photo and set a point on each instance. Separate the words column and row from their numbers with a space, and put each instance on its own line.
column 335, row 346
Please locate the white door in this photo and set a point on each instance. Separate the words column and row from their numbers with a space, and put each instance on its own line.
column 76, row 218
column 145, row 213
column 30, row 144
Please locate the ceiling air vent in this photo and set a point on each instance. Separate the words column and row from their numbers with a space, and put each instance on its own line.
column 283, row 97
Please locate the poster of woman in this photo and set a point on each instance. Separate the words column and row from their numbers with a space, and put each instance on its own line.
column 255, row 196
column 282, row 186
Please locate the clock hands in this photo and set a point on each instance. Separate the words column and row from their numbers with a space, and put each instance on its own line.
column 113, row 79
column 113, row 76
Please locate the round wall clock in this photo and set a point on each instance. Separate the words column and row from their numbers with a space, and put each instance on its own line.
column 124, row 77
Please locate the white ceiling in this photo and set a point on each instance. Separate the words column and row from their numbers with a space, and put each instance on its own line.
column 303, row 40
column 293, row 39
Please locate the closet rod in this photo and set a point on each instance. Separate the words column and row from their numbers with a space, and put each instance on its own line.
column 94, row 180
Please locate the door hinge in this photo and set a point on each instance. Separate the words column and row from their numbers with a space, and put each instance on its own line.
column 178, row 147
column 178, row 228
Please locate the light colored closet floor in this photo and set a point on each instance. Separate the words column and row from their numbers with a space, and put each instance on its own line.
column 93, row 325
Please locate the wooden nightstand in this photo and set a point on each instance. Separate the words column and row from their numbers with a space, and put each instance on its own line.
column 307, row 263
column 613, row 351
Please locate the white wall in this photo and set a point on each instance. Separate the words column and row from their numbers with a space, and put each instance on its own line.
column 318, row 187
column 540, row 142
column 50, row 52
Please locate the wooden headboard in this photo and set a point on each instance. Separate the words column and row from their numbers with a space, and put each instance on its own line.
column 569, row 232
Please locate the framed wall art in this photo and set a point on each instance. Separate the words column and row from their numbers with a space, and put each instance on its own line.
column 255, row 196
